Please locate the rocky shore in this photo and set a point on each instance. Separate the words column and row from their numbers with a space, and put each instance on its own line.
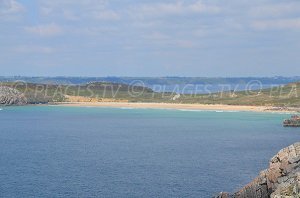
column 10, row 96
column 280, row 180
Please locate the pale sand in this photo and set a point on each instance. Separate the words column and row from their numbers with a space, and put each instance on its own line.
column 174, row 106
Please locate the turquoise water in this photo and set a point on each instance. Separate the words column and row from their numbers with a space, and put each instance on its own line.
column 107, row 152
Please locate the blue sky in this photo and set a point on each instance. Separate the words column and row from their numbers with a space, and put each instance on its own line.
column 150, row 37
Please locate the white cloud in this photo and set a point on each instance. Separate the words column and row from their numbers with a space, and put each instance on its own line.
column 162, row 39
column 51, row 29
column 77, row 10
column 293, row 23
column 94, row 31
column 33, row 49
column 273, row 10
column 175, row 8
column 203, row 8
column 105, row 15
column 156, row 36
column 11, row 10
column 10, row 7
column 70, row 15
column 185, row 43
column 59, row 3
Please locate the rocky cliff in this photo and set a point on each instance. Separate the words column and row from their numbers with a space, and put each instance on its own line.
column 10, row 96
column 280, row 180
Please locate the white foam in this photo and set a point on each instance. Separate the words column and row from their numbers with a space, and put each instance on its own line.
column 127, row 108
column 283, row 113
column 193, row 110
column 209, row 110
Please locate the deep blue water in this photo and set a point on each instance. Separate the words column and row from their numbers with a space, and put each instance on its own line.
column 106, row 152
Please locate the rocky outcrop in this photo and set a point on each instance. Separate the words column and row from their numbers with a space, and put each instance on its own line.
column 10, row 96
column 280, row 180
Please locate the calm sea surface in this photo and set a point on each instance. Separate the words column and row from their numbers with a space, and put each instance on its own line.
column 106, row 152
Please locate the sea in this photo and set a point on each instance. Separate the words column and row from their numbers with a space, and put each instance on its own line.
column 54, row 151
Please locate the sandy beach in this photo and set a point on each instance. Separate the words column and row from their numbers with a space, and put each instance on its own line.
column 176, row 106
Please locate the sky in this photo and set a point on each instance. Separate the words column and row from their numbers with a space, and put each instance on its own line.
column 150, row 38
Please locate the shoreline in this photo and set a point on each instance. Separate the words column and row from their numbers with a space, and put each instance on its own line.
column 177, row 106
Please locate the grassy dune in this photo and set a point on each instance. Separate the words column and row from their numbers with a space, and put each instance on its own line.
column 284, row 96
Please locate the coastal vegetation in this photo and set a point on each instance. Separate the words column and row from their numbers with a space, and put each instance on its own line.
column 152, row 81
column 277, row 96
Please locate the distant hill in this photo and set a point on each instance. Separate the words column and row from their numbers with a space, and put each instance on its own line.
column 196, row 85
column 98, row 91
column 152, row 80
column 277, row 96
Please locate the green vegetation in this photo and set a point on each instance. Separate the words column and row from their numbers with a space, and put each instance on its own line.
column 280, row 96
column 150, row 81
column 45, row 93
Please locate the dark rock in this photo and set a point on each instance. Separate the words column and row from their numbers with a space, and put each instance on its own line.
column 10, row 96
column 281, row 179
